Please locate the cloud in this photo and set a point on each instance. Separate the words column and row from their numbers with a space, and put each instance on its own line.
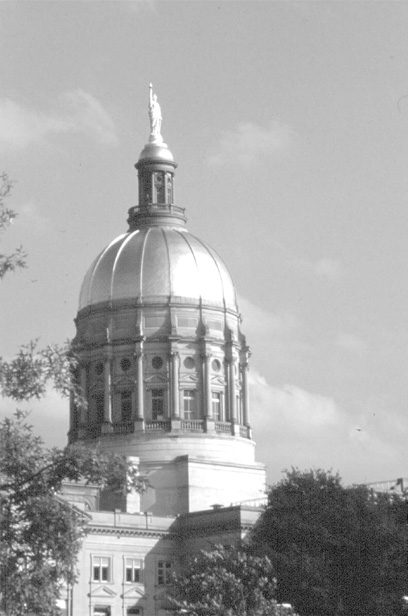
column 295, row 408
column 329, row 269
column 77, row 112
column 294, row 427
column 350, row 342
column 248, row 142
column 257, row 320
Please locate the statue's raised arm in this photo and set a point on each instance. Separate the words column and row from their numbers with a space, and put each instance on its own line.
column 155, row 116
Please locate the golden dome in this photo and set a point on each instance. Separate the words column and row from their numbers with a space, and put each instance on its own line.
column 158, row 264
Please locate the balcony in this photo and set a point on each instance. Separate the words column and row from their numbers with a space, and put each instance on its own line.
column 219, row 428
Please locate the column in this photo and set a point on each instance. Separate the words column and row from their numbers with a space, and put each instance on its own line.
column 107, row 411
column 140, row 393
column 207, row 384
column 174, row 360
column 83, row 380
column 232, row 390
column 245, row 394
column 140, row 386
column 174, row 384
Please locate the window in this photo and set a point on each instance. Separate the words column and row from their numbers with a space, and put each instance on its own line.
column 157, row 362
column 101, row 569
column 99, row 406
column 169, row 188
column 125, row 364
column 216, row 405
column 126, row 405
column 157, row 404
column 133, row 570
column 190, row 404
column 102, row 610
column 164, row 570
column 160, row 188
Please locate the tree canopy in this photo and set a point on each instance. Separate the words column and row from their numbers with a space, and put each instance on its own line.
column 17, row 259
column 335, row 549
column 226, row 581
column 40, row 533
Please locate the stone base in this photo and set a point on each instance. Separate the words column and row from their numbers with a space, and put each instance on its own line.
column 209, row 425
column 106, row 428
column 139, row 425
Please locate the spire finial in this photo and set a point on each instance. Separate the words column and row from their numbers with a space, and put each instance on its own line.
column 155, row 117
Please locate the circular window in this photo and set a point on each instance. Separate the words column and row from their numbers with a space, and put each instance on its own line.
column 157, row 362
column 99, row 368
column 216, row 365
column 125, row 364
column 189, row 363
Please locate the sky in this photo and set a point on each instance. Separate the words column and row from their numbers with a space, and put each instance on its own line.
column 289, row 123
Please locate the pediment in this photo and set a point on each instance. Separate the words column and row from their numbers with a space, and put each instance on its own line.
column 189, row 378
column 156, row 378
column 124, row 382
column 102, row 591
column 135, row 592
column 218, row 380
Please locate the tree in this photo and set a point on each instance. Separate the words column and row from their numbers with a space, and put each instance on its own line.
column 336, row 549
column 40, row 533
column 15, row 260
column 226, row 581
column 28, row 374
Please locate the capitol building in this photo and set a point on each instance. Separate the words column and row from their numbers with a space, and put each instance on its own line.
column 163, row 368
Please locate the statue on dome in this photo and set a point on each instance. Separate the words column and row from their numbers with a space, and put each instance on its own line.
column 155, row 117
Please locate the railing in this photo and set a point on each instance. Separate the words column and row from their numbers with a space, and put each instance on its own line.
column 93, row 431
column 223, row 427
column 192, row 425
column 123, row 428
column 187, row 425
column 158, row 426
column 138, row 209
column 252, row 502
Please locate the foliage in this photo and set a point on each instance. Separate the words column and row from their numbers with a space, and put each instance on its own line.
column 40, row 533
column 335, row 549
column 27, row 375
column 225, row 581
column 15, row 260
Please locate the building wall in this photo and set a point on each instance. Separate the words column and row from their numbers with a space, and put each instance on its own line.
column 159, row 544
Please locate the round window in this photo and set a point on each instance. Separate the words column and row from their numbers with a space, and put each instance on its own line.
column 157, row 362
column 216, row 365
column 99, row 368
column 125, row 364
column 189, row 363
